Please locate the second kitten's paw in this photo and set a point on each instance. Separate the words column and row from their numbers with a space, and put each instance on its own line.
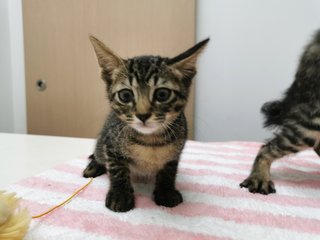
column 257, row 184
column 120, row 201
column 94, row 169
column 167, row 198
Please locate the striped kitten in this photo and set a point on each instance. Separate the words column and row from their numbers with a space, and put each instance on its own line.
column 146, row 129
column 297, row 117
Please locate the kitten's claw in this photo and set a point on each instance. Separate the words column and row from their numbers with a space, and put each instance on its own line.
column 94, row 169
column 120, row 201
column 257, row 184
column 167, row 198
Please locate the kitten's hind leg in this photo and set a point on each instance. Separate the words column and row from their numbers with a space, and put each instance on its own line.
column 317, row 149
column 94, row 169
column 259, row 180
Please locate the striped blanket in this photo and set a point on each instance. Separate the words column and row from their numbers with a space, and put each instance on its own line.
column 214, row 206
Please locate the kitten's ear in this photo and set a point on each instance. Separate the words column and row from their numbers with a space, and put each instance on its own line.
column 107, row 59
column 185, row 62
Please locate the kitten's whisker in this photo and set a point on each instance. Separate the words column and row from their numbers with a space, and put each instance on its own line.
column 170, row 130
column 166, row 133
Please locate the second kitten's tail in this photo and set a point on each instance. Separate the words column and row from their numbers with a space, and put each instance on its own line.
column 272, row 113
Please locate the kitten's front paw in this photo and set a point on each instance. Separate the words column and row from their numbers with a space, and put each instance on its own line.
column 257, row 184
column 167, row 198
column 94, row 169
column 120, row 201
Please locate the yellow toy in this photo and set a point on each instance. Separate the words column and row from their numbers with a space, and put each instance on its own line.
column 14, row 221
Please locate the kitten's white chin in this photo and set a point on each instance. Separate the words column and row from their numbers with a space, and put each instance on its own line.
column 145, row 129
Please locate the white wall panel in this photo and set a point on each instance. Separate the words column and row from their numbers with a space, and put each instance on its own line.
column 252, row 57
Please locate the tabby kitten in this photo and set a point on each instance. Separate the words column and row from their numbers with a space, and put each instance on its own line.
column 146, row 128
column 297, row 117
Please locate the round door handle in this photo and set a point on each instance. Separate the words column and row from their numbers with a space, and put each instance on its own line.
column 41, row 85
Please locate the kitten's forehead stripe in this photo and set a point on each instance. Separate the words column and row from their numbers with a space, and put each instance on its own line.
column 145, row 67
column 130, row 79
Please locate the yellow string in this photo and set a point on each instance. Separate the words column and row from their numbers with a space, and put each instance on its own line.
column 64, row 202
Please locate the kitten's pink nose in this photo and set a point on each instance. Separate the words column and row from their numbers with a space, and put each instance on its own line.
column 143, row 117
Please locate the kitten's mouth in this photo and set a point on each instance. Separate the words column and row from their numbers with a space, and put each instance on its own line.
column 146, row 128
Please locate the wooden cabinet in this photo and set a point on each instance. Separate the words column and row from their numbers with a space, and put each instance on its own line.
column 58, row 51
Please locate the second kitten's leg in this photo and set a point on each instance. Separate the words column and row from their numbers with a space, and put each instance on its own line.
column 120, row 197
column 259, row 180
column 94, row 169
column 165, row 193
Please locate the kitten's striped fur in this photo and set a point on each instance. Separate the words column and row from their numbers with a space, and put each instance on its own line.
column 146, row 129
column 297, row 117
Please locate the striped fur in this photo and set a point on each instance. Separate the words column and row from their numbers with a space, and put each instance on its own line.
column 297, row 117
column 146, row 129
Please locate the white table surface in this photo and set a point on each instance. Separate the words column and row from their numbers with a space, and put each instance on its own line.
column 23, row 155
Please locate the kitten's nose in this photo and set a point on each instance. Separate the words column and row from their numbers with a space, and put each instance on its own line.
column 143, row 117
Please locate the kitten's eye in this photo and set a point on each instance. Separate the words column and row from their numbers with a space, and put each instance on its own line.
column 162, row 94
column 125, row 95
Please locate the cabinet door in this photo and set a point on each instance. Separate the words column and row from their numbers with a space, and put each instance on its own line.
column 58, row 51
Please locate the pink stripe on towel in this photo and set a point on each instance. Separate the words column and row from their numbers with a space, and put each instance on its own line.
column 113, row 226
